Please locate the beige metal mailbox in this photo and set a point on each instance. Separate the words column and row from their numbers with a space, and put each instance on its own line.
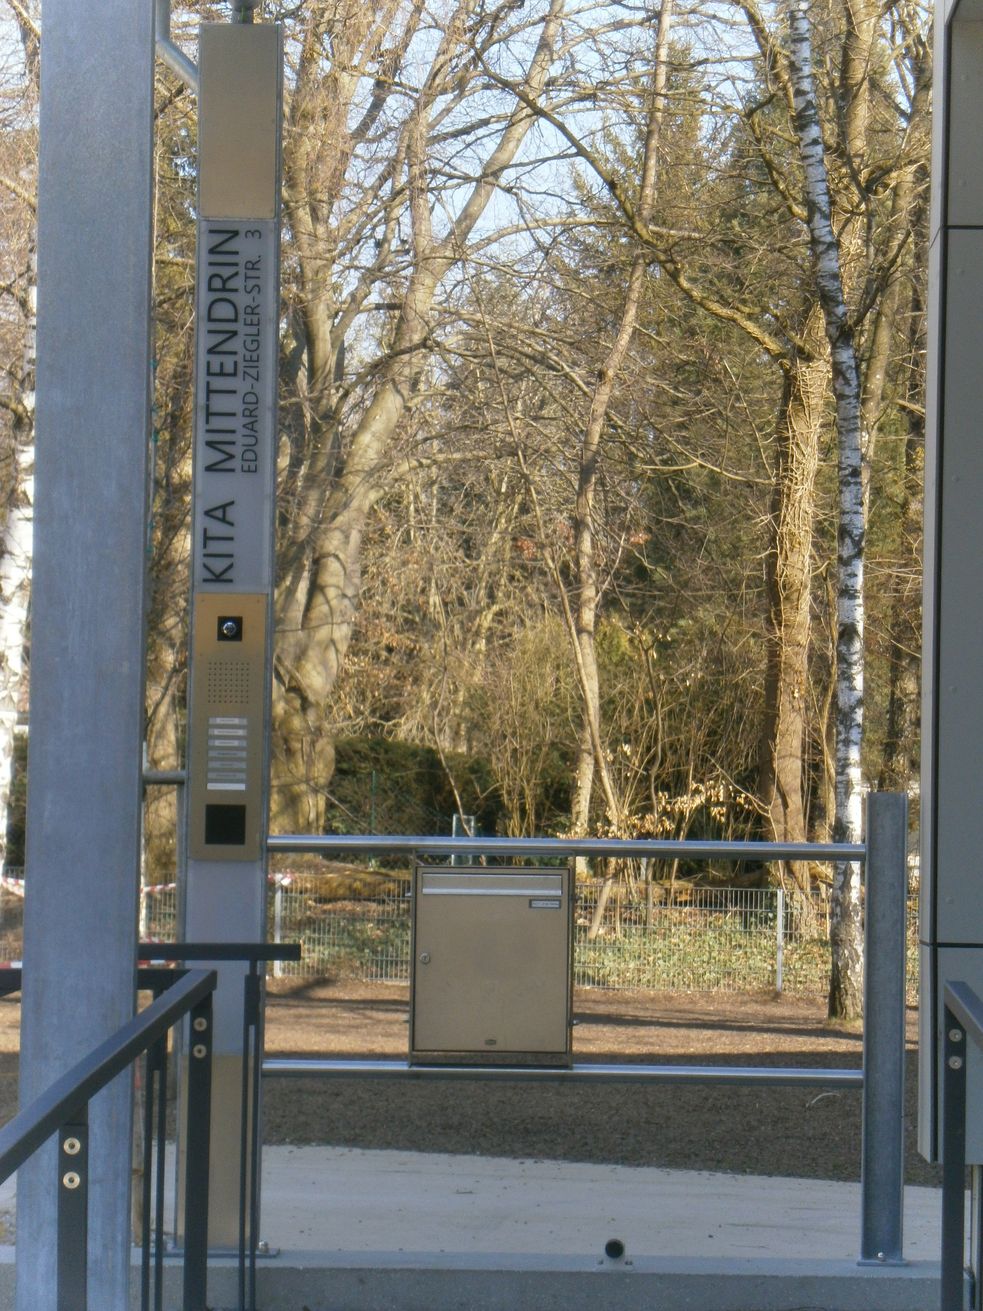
column 491, row 975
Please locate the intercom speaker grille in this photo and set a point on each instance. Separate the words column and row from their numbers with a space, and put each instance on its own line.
column 228, row 682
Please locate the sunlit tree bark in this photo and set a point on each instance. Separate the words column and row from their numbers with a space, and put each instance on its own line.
column 343, row 453
column 17, row 399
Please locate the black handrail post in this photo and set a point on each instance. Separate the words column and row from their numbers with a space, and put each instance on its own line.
column 248, row 1112
column 149, row 1076
column 254, row 984
column 159, row 1179
column 252, row 1057
column 252, row 953
column 73, row 1213
column 197, row 1136
column 953, row 1164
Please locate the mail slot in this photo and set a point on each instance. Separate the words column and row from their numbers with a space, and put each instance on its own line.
column 491, row 976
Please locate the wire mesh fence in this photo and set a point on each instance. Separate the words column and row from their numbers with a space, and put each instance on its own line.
column 11, row 915
column 646, row 936
column 683, row 939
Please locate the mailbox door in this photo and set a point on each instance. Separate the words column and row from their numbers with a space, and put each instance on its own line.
column 491, row 968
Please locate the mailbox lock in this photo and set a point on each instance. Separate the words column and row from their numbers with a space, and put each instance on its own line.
column 424, row 958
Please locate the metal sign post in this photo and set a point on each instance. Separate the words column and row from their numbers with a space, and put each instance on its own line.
column 237, row 309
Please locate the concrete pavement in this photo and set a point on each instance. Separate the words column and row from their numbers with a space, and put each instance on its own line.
column 355, row 1230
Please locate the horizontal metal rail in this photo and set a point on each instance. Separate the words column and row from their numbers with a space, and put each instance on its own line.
column 664, row 848
column 170, row 54
column 881, row 1077
column 587, row 1072
column 164, row 777
column 247, row 952
column 34, row 1125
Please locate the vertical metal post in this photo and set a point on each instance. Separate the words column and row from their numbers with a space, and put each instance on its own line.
column 154, row 1172
column 197, row 1137
column 146, row 1193
column 278, row 924
column 73, row 1215
column 160, row 1176
column 882, row 1151
column 88, row 604
column 250, row 1010
column 975, row 1230
column 953, row 1164
column 462, row 826
column 253, row 1006
column 780, row 941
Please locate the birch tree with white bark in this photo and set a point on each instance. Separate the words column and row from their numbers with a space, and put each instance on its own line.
column 846, row 981
column 16, row 560
column 17, row 177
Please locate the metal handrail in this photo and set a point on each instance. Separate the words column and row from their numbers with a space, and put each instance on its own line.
column 251, row 954
column 789, row 1076
column 666, row 848
column 963, row 1023
column 63, row 1110
column 882, row 1075
column 35, row 1124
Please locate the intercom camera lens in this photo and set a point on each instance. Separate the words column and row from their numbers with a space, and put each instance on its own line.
column 230, row 628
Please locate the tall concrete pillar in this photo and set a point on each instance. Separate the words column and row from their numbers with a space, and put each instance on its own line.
column 952, row 681
column 87, row 630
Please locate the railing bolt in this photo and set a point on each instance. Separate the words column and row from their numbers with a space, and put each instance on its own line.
column 200, row 1024
column 71, row 1179
column 199, row 1050
column 72, row 1146
column 955, row 1035
column 955, row 1062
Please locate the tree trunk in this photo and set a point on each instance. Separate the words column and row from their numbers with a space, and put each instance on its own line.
column 846, row 936
column 601, row 905
column 900, row 754
column 333, row 485
column 16, row 564
column 15, row 594
column 788, row 578
column 589, row 754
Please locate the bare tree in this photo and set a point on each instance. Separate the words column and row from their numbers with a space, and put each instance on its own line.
column 591, row 750
column 17, row 181
column 846, row 982
column 370, row 88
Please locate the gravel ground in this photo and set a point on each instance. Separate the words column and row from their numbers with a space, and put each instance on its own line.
column 804, row 1132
